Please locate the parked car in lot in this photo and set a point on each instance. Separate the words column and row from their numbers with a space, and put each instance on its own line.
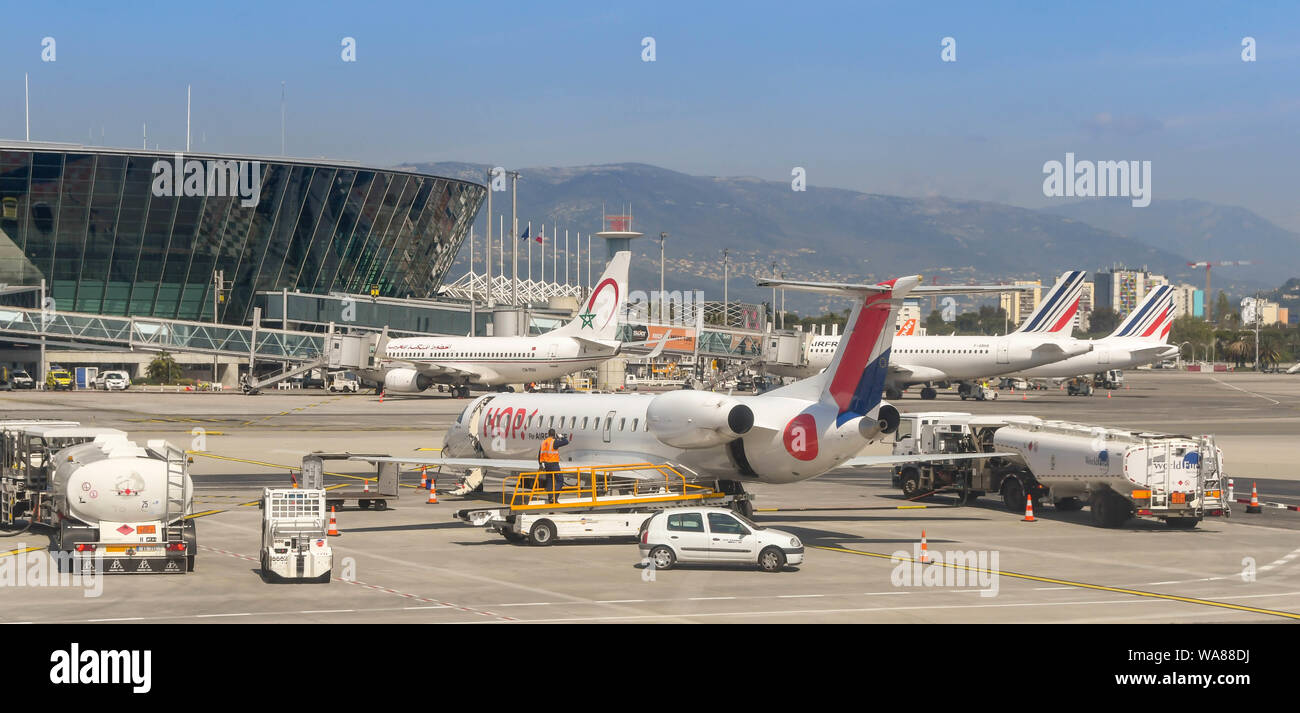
column 58, row 379
column 112, row 381
column 715, row 535
column 22, row 380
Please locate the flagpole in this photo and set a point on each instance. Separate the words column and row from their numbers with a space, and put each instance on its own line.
column 555, row 255
column 514, row 234
column 530, row 250
column 566, row 257
column 543, row 242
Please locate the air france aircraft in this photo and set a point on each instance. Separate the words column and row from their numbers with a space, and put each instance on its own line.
column 789, row 434
column 1044, row 338
column 1141, row 339
column 413, row 364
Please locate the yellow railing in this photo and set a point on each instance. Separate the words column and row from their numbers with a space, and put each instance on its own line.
column 595, row 482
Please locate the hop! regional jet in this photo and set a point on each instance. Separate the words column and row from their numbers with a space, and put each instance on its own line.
column 1044, row 338
column 789, row 434
column 413, row 364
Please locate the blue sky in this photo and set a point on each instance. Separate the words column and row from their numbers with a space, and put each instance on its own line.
column 853, row 92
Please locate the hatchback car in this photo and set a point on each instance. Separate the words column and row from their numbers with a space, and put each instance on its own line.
column 715, row 535
column 112, row 381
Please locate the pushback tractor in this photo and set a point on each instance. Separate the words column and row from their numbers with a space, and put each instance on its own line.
column 111, row 504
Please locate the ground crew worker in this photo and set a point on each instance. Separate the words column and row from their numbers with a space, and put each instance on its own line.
column 548, row 458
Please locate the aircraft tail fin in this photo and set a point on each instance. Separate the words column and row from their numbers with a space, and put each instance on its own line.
column 1152, row 318
column 1055, row 313
column 597, row 318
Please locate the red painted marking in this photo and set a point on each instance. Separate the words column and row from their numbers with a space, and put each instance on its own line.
column 596, row 293
column 1156, row 324
column 1066, row 319
column 800, row 437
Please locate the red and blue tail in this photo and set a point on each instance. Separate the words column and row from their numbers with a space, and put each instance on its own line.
column 855, row 379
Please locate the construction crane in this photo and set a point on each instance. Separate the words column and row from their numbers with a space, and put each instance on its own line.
column 1207, row 264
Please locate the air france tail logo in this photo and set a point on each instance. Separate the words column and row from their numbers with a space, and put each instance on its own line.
column 589, row 318
column 800, row 437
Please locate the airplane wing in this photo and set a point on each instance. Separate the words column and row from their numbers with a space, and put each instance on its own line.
column 520, row 465
column 867, row 461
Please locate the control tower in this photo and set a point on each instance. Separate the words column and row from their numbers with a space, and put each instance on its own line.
column 618, row 235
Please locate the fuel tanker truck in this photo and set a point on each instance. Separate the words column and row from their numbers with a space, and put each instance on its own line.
column 109, row 503
column 1119, row 474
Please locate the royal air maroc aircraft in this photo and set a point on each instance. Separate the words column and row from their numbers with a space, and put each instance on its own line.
column 785, row 435
column 1141, row 339
column 413, row 364
column 1044, row 338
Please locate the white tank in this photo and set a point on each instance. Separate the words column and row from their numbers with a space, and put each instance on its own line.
column 112, row 479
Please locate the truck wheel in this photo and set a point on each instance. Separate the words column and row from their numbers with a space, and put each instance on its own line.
column 1181, row 523
column 1013, row 495
column 771, row 559
column 662, row 557
column 542, row 534
column 363, row 504
column 910, row 483
column 1110, row 510
column 380, row 504
column 1069, row 504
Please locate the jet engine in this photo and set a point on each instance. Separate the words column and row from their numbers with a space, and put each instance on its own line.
column 886, row 422
column 698, row 419
column 406, row 381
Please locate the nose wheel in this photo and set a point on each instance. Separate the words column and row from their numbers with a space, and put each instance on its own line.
column 928, row 393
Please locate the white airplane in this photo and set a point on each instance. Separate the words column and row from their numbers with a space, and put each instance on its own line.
column 1143, row 338
column 1044, row 338
column 789, row 434
column 413, row 364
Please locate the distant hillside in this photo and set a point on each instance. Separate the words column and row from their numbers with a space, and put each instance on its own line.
column 1201, row 231
column 1288, row 295
column 818, row 234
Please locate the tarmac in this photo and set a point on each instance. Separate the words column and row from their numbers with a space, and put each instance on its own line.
column 414, row 563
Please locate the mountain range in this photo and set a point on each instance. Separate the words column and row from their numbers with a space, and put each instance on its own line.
column 834, row 234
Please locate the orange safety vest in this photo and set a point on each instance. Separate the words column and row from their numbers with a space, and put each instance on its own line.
column 548, row 453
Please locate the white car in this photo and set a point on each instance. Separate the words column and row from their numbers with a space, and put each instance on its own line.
column 112, row 381
column 715, row 535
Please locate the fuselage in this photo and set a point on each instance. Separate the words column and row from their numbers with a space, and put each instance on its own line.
column 1108, row 353
column 493, row 361
column 927, row 359
column 791, row 439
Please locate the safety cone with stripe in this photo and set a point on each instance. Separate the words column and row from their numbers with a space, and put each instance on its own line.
column 433, row 492
column 925, row 549
column 1254, row 507
column 1232, row 496
column 381, row 395
column 367, row 488
column 1029, row 509
column 334, row 525
column 424, row 477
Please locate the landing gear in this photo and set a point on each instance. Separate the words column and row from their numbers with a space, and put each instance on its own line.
column 928, row 393
column 460, row 392
column 893, row 394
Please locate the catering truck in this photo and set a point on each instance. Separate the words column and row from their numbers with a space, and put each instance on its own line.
column 1117, row 473
column 108, row 502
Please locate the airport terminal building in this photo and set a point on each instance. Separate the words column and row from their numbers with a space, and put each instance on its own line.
column 137, row 232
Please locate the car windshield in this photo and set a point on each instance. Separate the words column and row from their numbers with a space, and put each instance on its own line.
column 747, row 521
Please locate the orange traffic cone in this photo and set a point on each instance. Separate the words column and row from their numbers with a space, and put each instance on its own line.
column 381, row 395
column 293, row 479
column 433, row 493
column 334, row 525
column 1108, row 394
column 424, row 477
column 1029, row 509
column 367, row 488
column 1024, row 396
column 925, row 549
column 1254, row 507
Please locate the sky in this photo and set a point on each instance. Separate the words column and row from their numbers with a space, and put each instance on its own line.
column 857, row 94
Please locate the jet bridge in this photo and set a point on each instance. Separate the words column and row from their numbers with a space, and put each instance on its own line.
column 300, row 350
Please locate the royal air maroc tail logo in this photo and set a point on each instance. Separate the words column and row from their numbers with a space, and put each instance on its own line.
column 607, row 305
column 800, row 437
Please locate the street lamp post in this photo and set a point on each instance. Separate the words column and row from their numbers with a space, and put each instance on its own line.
column 725, row 278
column 662, row 238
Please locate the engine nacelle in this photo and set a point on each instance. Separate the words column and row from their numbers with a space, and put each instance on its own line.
column 698, row 419
column 406, row 381
column 886, row 422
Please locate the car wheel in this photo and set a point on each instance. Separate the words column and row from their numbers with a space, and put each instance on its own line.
column 542, row 534
column 910, row 483
column 771, row 559
column 662, row 557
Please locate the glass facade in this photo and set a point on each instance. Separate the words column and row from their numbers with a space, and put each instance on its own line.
column 111, row 236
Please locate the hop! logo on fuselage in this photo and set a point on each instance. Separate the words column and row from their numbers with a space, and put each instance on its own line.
column 800, row 437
